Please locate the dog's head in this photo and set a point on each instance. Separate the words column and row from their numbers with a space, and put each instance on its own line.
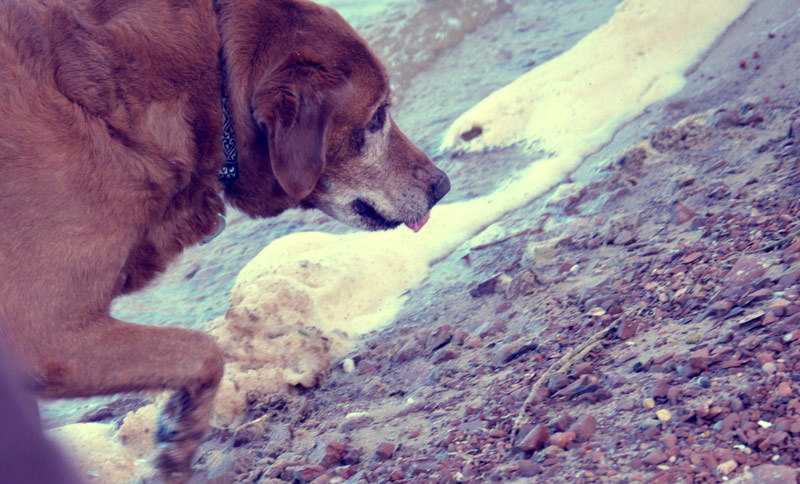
column 324, row 115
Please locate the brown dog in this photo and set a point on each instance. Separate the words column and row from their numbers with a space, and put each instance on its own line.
column 110, row 150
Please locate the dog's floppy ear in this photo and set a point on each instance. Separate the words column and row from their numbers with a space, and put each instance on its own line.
column 293, row 108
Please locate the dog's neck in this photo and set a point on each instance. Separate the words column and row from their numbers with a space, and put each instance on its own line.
column 229, row 172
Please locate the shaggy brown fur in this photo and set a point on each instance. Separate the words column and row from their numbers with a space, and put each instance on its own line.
column 110, row 127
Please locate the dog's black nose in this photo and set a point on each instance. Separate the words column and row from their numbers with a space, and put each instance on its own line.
column 441, row 187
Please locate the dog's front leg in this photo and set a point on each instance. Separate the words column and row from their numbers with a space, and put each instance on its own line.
column 108, row 356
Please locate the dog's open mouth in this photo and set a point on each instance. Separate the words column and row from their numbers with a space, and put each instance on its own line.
column 377, row 221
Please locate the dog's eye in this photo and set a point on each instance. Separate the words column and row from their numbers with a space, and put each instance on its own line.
column 376, row 123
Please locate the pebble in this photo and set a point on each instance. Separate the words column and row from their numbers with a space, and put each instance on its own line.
column 513, row 350
column 348, row 365
column 557, row 382
column 626, row 404
column 535, row 439
column 680, row 214
column 693, row 337
column 699, row 358
column 674, row 394
column 764, row 357
column 561, row 439
column 769, row 368
column 528, row 468
column 585, row 427
column 784, row 389
column 727, row 467
column 746, row 269
column 650, row 422
column 664, row 415
column 726, row 118
column 385, row 450
column 649, row 403
column 582, row 369
column 627, row 329
column 498, row 283
column 655, row 457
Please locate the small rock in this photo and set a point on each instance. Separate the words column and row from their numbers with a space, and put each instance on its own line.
column 670, row 440
column 699, row 358
column 650, row 422
column 674, row 394
column 439, row 337
column 596, row 311
column 561, row 439
column 385, row 450
column 409, row 351
column 309, row 473
column 746, row 269
column 334, row 453
column 354, row 422
column 524, row 283
column 680, row 213
column 626, row 404
column 249, row 432
column 655, row 457
column 664, row 415
column 627, row 329
column 755, row 118
column 582, row 369
column 529, row 468
column 513, row 350
column 585, row 427
column 726, row 118
column 492, row 328
column 557, row 382
column 471, row 342
column 583, row 385
column 660, row 390
column 649, row 403
column 727, row 467
column 784, row 389
column 445, row 354
column 498, row 283
column 764, row 357
column 721, row 307
column 769, row 368
column 535, row 439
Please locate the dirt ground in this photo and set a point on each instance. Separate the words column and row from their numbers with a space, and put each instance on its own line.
column 645, row 329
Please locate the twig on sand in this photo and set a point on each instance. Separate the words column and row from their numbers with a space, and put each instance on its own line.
column 575, row 355
column 777, row 245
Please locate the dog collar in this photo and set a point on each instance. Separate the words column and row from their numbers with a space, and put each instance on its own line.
column 229, row 172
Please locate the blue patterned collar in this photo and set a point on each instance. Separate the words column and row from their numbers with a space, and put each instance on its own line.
column 229, row 172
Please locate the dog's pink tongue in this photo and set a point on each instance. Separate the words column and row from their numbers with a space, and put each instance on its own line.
column 416, row 226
